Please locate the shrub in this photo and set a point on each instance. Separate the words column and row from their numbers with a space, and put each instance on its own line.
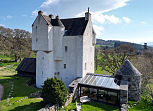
column 54, row 91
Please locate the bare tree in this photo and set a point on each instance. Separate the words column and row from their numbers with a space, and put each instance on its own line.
column 111, row 59
column 144, row 64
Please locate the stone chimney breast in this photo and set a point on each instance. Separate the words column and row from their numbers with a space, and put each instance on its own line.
column 88, row 15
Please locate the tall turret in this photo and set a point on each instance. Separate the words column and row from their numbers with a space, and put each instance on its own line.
column 42, row 43
column 58, row 32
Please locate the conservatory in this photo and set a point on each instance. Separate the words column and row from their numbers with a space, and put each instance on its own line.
column 102, row 88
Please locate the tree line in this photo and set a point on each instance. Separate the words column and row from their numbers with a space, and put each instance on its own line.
column 15, row 42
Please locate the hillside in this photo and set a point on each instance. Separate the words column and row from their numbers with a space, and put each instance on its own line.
column 116, row 43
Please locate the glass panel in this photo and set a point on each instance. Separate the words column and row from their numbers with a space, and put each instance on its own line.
column 103, row 84
column 83, row 79
column 109, row 82
column 91, row 80
column 93, row 93
column 88, row 78
column 96, row 80
column 102, row 79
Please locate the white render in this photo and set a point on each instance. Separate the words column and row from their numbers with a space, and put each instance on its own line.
column 49, row 42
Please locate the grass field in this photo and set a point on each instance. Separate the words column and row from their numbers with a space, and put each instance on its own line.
column 18, row 99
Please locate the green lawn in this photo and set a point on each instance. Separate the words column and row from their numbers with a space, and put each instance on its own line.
column 91, row 106
column 18, row 101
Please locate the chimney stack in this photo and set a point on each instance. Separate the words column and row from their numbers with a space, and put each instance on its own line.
column 88, row 15
column 51, row 16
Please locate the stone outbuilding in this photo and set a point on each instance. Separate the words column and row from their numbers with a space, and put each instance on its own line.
column 129, row 73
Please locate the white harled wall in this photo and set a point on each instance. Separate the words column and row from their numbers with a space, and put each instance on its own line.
column 40, row 35
column 45, row 67
column 88, row 49
column 58, row 33
column 72, row 58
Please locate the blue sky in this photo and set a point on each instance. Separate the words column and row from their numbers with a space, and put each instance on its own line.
column 128, row 20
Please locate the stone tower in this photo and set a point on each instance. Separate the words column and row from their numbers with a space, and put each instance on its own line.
column 129, row 73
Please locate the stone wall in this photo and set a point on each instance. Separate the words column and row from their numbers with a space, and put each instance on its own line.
column 123, row 97
column 50, row 108
column 134, row 86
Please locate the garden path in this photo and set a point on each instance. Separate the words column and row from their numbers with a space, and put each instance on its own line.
column 1, row 91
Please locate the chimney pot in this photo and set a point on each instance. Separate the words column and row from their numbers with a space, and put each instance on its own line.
column 40, row 12
column 51, row 16
column 57, row 17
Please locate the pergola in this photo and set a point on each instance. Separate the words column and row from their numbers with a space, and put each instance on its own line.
column 101, row 88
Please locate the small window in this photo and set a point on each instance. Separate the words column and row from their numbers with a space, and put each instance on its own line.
column 65, row 48
column 64, row 66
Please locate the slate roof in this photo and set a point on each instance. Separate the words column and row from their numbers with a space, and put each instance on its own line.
column 127, row 68
column 73, row 26
column 27, row 65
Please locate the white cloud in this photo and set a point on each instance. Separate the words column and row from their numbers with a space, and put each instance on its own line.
column 100, row 6
column 126, row 20
column 112, row 19
column 99, row 9
column 35, row 12
column 2, row 25
column 114, row 4
column 99, row 30
column 9, row 17
column 102, row 18
column 143, row 22
column 48, row 2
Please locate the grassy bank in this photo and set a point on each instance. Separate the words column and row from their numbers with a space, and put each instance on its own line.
column 16, row 98
column 16, row 92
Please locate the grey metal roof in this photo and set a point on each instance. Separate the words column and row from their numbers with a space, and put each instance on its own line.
column 99, row 80
column 127, row 69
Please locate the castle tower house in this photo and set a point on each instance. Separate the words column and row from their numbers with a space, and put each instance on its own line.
column 64, row 47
